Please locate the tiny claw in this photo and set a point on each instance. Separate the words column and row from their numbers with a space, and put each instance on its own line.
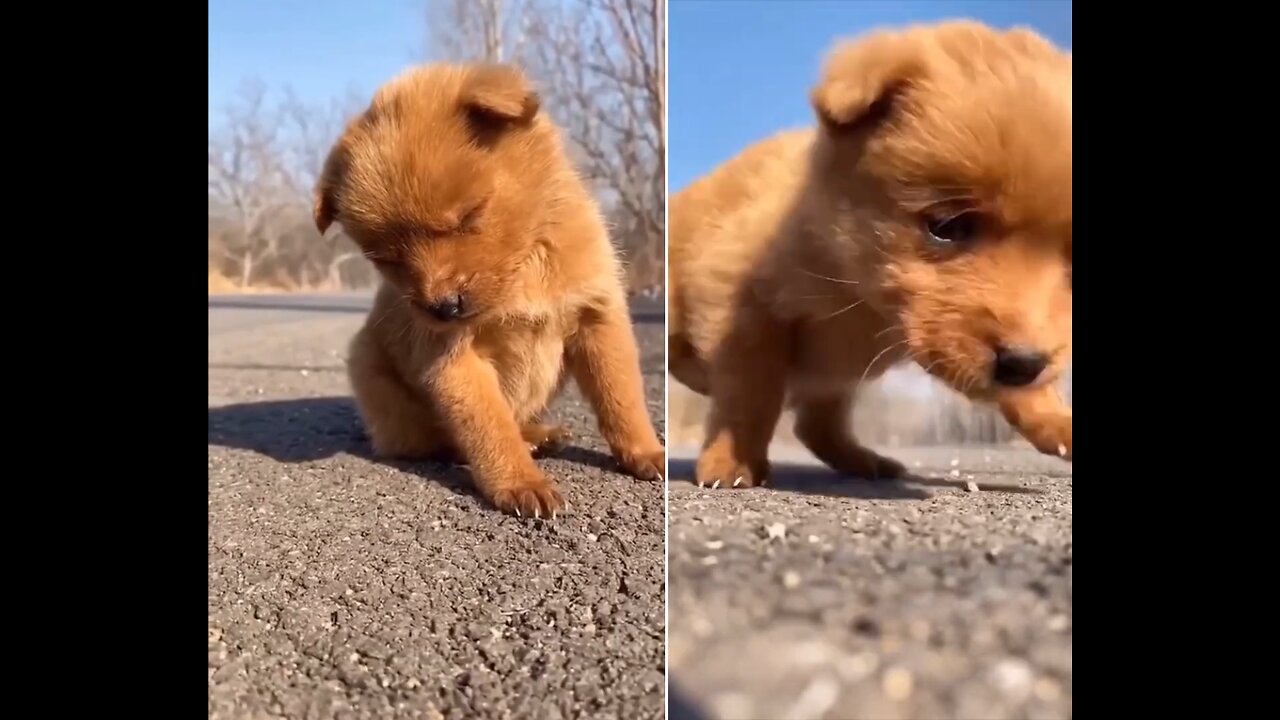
column 1062, row 450
column 518, row 513
column 737, row 481
column 715, row 484
column 553, row 514
column 660, row 478
column 701, row 483
column 537, row 513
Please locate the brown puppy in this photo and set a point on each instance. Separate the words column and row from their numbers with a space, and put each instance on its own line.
column 498, row 274
column 929, row 218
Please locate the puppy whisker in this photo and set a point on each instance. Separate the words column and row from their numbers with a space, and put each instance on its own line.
column 877, row 357
column 825, row 277
column 842, row 310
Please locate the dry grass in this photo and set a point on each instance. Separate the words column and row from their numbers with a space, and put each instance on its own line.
column 220, row 284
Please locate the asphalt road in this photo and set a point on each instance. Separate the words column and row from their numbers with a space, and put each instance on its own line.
column 830, row 598
column 344, row 587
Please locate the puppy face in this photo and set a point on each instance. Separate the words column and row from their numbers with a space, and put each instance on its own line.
column 440, row 182
column 947, row 151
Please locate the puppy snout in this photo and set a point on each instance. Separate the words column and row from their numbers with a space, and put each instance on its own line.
column 1018, row 366
column 446, row 309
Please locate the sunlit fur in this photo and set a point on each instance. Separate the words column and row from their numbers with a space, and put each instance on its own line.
column 455, row 184
column 803, row 267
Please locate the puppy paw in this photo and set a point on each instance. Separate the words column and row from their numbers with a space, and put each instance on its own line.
column 532, row 497
column 545, row 440
column 717, row 469
column 646, row 465
column 859, row 462
column 1052, row 438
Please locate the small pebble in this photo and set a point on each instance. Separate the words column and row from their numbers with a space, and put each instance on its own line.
column 955, row 473
column 790, row 579
column 1013, row 677
column 955, row 462
column 814, row 539
column 715, row 544
column 304, row 372
column 710, row 560
column 1058, row 623
column 1047, row 690
column 971, row 486
column 897, row 683
column 776, row 531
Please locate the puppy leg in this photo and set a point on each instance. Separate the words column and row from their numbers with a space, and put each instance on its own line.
column 823, row 425
column 606, row 363
column 544, row 440
column 469, row 399
column 1042, row 418
column 400, row 424
column 748, row 384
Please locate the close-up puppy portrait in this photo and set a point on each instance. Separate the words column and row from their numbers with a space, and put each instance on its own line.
column 926, row 219
column 499, row 282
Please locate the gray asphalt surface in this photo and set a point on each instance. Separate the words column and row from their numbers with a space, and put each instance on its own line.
column 344, row 587
column 831, row 598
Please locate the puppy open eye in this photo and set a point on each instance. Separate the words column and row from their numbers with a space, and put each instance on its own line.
column 959, row 229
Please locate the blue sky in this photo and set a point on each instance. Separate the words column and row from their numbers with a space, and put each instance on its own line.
column 322, row 49
column 741, row 70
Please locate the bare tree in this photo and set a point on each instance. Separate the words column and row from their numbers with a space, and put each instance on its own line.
column 264, row 159
column 601, row 64
column 488, row 30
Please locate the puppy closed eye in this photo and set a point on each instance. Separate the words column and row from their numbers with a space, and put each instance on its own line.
column 467, row 224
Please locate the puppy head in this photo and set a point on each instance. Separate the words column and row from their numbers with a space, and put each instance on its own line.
column 441, row 181
column 945, row 156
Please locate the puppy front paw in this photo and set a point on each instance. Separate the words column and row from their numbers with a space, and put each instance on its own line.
column 1052, row 437
column 718, row 468
column 532, row 496
column 644, row 464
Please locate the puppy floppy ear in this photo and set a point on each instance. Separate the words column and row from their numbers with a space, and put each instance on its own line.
column 332, row 176
column 860, row 78
column 499, row 94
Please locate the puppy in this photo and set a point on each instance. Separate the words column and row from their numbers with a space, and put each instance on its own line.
column 928, row 218
column 498, row 276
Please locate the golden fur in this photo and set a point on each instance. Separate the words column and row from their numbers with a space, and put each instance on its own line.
column 927, row 218
column 498, row 275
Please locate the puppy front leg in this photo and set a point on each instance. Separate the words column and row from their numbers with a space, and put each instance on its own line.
column 1041, row 416
column 606, row 363
column 483, row 426
column 748, row 384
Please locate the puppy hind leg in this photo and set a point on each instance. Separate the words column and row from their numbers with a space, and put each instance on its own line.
column 544, row 439
column 823, row 425
column 400, row 425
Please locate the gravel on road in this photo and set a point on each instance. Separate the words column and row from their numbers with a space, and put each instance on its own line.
column 341, row 586
column 824, row 597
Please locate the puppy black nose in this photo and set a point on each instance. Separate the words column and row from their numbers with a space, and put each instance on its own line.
column 1018, row 366
column 446, row 309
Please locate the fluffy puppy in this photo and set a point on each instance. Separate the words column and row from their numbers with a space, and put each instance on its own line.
column 928, row 218
column 498, row 275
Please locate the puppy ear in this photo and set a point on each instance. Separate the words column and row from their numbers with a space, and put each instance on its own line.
column 860, row 78
column 332, row 176
column 499, row 94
